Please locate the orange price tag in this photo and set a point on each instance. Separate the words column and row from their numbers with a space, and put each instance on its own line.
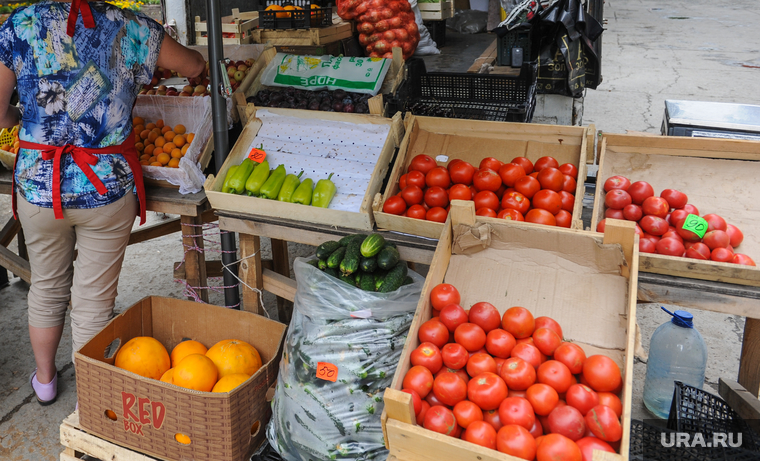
column 257, row 155
column 327, row 371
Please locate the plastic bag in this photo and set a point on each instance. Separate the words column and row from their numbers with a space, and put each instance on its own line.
column 426, row 46
column 469, row 21
column 362, row 334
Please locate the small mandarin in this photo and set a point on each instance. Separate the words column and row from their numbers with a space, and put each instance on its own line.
column 169, row 146
column 152, row 159
column 138, row 128
column 160, row 123
column 152, row 136
column 179, row 140
column 173, row 163
column 144, row 134
column 180, row 129
column 144, row 156
column 176, row 153
column 157, row 131
column 138, row 121
column 159, row 142
column 165, row 129
column 184, row 149
column 150, row 126
column 190, row 137
column 169, row 135
column 149, row 149
column 163, row 158
column 156, row 164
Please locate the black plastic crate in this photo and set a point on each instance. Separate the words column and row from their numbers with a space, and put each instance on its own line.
column 516, row 38
column 470, row 96
column 437, row 31
column 313, row 14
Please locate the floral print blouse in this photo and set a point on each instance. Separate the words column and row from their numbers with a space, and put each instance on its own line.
column 77, row 90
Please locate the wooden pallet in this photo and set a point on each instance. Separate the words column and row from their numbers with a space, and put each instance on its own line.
column 437, row 11
column 303, row 37
column 78, row 443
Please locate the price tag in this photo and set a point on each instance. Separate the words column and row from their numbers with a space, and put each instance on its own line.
column 327, row 371
column 257, row 155
column 695, row 224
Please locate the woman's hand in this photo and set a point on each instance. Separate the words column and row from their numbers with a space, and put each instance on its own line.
column 9, row 115
column 180, row 59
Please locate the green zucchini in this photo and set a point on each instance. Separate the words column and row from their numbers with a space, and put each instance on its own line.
column 336, row 257
column 331, row 271
column 350, row 262
column 326, row 249
column 322, row 264
column 349, row 238
column 368, row 265
column 388, row 258
column 372, row 245
column 395, row 278
column 367, row 282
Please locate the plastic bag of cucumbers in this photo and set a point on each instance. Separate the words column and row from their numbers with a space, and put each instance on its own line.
column 340, row 353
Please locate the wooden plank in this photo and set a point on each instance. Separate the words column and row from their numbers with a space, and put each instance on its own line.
column 214, row 268
column 749, row 363
column 281, row 263
column 250, row 272
column 279, row 285
column 155, row 230
column 15, row 264
column 487, row 57
column 75, row 439
column 739, row 399
column 9, row 231
column 622, row 233
column 399, row 406
column 195, row 259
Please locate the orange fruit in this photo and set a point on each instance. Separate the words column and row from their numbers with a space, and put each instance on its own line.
column 138, row 128
column 184, row 149
column 5, row 147
column 149, row 149
column 139, row 146
column 156, row 164
column 196, row 371
column 180, row 129
column 157, row 131
column 163, row 158
column 190, row 137
column 182, row 438
column 152, row 159
column 145, row 157
column 145, row 356
column 160, row 141
column 178, row 140
column 169, row 134
column 165, row 129
column 144, row 162
column 233, row 356
column 168, row 377
column 173, row 163
column 150, row 126
column 152, row 136
column 168, row 147
column 138, row 121
column 159, row 123
column 230, row 382
column 186, row 348
column 176, row 153
column 144, row 134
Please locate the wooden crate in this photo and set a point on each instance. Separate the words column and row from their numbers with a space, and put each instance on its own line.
column 240, row 24
column 463, row 260
column 303, row 37
column 243, row 205
column 437, row 11
column 470, row 140
column 717, row 175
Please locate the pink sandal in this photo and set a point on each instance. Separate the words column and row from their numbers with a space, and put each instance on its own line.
column 46, row 393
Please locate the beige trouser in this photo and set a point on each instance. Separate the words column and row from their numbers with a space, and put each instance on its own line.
column 89, row 283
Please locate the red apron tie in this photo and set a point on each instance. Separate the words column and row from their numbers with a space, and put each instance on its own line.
column 78, row 6
column 84, row 157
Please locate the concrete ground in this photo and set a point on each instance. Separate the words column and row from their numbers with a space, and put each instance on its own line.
column 652, row 51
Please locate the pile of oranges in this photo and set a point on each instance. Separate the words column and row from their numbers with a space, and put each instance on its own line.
column 286, row 8
column 220, row 368
column 14, row 146
column 159, row 144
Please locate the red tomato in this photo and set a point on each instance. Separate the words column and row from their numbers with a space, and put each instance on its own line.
column 677, row 217
column 510, row 215
column 515, row 440
column 460, row 373
column 542, row 397
column 528, row 186
column 452, row 316
column 539, row 216
column 670, row 247
column 640, row 190
column 528, row 340
column 600, row 225
column 394, row 205
column 416, row 400
column 429, row 356
column 438, row 176
column 492, row 418
column 500, row 343
column 528, row 352
column 444, row 294
column 510, row 173
column 735, row 235
column 454, row 356
column 715, row 222
column 546, row 340
column 516, row 410
column 436, row 214
column 485, row 315
column 416, row 212
column 687, row 235
column 471, row 336
column 481, row 433
column 467, row 413
column 440, row 419
column 460, row 192
column 568, row 201
column 647, row 246
column 551, row 178
column 654, row 225
column 487, row 212
column 432, row 399
column 449, row 389
column 611, row 400
column 656, row 206
column 412, row 195
column 617, row 182
column 568, row 421
column 422, row 163
column 601, row 373
column 742, row 259
column 617, row 199
column 569, row 169
column 698, row 251
column 461, row 173
column 569, row 184
column 480, row 362
column 525, row 163
column 402, row 182
column 614, row 214
column 604, row 423
column 515, row 201
column 587, row 446
column 545, row 162
column 518, row 321
column 436, row 196
column 582, row 397
column 556, row 374
column 518, row 374
column 416, row 178
column 548, row 200
column 557, row 447
column 491, row 163
column 548, row 322
column 486, row 179
column 486, row 199
column 433, row 331
column 691, row 209
column 674, row 198
column 564, row 219
column 425, row 406
column 716, row 239
column 500, row 191
column 487, row 390
column 499, row 361
column 419, row 379
column 722, row 255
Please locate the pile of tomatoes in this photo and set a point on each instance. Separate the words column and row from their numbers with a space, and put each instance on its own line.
column 660, row 223
column 543, row 193
column 511, row 383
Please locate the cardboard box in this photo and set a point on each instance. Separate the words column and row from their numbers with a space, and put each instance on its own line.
column 718, row 175
column 360, row 219
column 221, row 426
column 472, row 140
column 569, row 275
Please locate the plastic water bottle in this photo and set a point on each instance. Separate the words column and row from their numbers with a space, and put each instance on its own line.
column 677, row 352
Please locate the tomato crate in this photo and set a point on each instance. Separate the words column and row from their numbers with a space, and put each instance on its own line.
column 472, row 141
column 536, row 268
column 716, row 175
column 297, row 14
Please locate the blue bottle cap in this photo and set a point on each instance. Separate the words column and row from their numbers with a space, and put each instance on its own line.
column 681, row 318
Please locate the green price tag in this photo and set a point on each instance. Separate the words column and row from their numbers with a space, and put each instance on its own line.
column 695, row 224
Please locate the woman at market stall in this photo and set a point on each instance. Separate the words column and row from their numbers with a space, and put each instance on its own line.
column 78, row 181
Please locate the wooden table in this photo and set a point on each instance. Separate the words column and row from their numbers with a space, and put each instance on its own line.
column 193, row 211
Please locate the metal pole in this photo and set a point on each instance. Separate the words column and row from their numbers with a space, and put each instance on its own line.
column 221, row 142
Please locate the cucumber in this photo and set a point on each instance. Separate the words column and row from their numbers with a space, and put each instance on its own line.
column 390, row 244
column 372, row 245
column 349, row 238
column 313, row 262
column 368, row 265
column 350, row 262
column 388, row 258
column 348, row 279
column 379, row 283
column 331, row 271
column 395, row 278
column 322, row 264
column 367, row 282
column 336, row 257
column 326, row 249
column 408, row 281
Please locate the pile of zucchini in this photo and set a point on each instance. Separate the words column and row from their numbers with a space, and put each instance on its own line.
column 364, row 261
